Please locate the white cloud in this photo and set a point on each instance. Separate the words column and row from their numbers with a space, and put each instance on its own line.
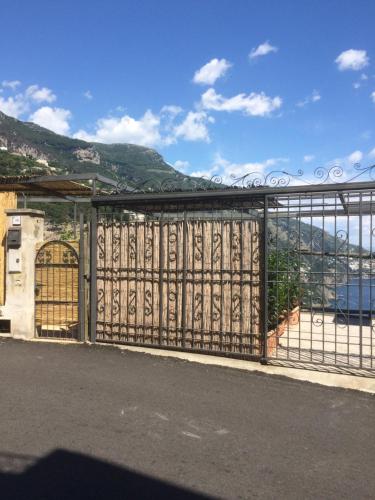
column 21, row 103
column 194, row 127
column 308, row 158
column 212, row 71
column 11, row 84
column 355, row 157
column 229, row 171
column 252, row 105
column 14, row 106
column 373, row 96
column 171, row 110
column 208, row 173
column 352, row 60
column 181, row 165
column 55, row 119
column 144, row 131
column 40, row 94
column 361, row 81
column 88, row 95
column 262, row 50
column 150, row 129
column 372, row 153
column 314, row 97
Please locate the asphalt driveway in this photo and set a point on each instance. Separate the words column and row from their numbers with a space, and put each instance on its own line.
column 96, row 422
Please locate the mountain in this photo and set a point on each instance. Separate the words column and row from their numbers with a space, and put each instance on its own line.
column 57, row 154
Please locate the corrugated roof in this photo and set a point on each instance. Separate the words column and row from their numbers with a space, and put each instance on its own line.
column 43, row 186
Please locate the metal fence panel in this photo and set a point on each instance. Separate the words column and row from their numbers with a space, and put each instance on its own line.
column 182, row 280
column 321, row 286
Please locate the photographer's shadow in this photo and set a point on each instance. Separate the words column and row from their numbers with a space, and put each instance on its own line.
column 72, row 476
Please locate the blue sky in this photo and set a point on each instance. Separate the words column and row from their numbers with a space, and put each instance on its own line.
column 216, row 86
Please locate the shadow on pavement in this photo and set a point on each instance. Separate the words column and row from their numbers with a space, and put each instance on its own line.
column 66, row 475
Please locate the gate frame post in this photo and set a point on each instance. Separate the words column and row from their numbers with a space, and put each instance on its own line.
column 264, row 300
column 93, row 264
column 81, row 280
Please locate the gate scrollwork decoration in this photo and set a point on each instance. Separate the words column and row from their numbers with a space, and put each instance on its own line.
column 132, row 246
column 172, row 305
column 148, row 303
column 216, row 306
column 217, row 240
column 236, row 307
column 116, row 302
column 198, row 303
column 100, row 300
column 172, row 239
column 101, row 242
column 343, row 237
column 68, row 257
column 250, row 180
column 132, row 302
column 116, row 244
column 198, row 240
column 148, row 248
column 236, row 247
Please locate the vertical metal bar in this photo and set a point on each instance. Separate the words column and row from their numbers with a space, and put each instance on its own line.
column 161, row 291
column 144, row 280
column 241, row 236
column 263, row 359
column 184, row 275
column 153, row 270
column 93, row 265
column 81, row 279
column 112, row 273
column 299, row 266
column 193, row 285
column 222, row 307
column 336, row 280
column 231, row 277
column 75, row 221
column 347, row 288
column 136, row 278
column 360, row 281
column 370, row 303
column 120, row 273
column 211, row 279
column 168, row 273
column 202, row 287
column 323, row 281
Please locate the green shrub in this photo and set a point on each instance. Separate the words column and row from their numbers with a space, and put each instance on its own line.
column 284, row 286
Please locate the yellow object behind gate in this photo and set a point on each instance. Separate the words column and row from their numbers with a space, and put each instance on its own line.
column 7, row 200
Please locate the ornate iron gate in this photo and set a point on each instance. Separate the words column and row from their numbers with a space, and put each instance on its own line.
column 183, row 280
column 284, row 274
column 56, row 293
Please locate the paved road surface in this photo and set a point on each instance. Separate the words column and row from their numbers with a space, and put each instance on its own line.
column 97, row 422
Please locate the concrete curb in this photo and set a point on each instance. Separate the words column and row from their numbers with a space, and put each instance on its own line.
column 358, row 383
column 327, row 379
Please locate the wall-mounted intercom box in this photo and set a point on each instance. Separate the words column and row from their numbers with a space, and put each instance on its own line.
column 14, row 237
column 14, row 260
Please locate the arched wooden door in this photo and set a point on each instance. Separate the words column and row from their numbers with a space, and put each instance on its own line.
column 56, row 291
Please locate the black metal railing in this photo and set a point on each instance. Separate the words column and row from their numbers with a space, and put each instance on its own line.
column 277, row 273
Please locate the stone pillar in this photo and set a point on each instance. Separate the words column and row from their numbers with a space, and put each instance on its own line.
column 20, row 272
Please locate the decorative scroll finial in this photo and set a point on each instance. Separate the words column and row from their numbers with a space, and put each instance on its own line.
column 250, row 180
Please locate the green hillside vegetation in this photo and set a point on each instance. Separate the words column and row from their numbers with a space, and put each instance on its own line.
column 14, row 164
column 129, row 163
